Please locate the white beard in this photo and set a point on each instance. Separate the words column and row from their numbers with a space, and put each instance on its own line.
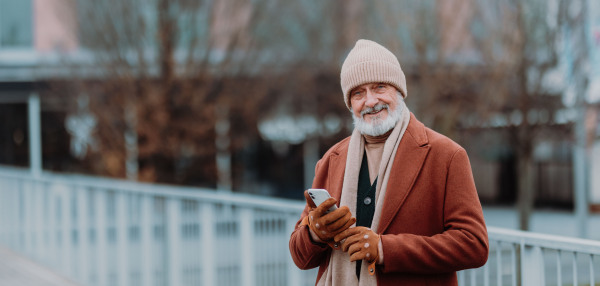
column 378, row 126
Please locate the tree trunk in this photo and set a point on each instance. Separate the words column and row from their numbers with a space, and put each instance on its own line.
column 525, row 189
column 223, row 143
column 311, row 157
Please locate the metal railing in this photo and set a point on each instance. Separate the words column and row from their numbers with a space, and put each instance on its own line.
column 100, row 231
column 525, row 258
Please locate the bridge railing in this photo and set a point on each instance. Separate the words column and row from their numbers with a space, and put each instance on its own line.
column 100, row 231
column 525, row 258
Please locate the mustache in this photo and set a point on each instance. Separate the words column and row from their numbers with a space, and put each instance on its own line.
column 374, row 109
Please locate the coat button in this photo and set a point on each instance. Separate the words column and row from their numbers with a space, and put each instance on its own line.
column 367, row 201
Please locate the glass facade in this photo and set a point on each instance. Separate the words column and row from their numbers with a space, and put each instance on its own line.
column 16, row 24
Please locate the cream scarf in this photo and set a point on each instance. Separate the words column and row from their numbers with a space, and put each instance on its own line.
column 341, row 272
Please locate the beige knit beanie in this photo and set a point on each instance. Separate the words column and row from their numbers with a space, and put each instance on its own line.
column 370, row 62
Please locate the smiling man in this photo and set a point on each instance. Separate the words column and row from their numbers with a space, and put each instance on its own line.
column 409, row 211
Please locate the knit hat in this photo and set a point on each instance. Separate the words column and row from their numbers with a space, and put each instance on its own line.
column 370, row 62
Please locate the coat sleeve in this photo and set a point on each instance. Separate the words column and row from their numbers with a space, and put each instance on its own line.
column 305, row 252
column 463, row 243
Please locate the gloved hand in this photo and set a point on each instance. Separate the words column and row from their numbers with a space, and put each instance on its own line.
column 361, row 243
column 326, row 225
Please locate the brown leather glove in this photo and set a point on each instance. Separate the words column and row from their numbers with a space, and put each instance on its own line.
column 326, row 225
column 361, row 243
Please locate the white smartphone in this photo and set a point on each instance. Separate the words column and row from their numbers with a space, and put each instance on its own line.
column 318, row 196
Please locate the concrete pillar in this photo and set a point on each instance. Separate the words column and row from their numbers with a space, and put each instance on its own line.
column 35, row 134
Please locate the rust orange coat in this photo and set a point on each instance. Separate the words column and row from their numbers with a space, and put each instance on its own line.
column 431, row 224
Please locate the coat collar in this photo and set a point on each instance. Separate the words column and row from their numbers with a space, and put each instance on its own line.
column 410, row 156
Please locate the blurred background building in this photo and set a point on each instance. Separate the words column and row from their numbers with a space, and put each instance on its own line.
column 244, row 96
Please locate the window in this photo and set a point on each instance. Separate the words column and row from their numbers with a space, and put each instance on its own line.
column 16, row 24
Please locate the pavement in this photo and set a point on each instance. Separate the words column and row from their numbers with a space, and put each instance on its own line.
column 556, row 222
column 16, row 270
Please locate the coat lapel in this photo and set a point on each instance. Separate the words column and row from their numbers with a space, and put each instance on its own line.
column 410, row 156
column 336, row 174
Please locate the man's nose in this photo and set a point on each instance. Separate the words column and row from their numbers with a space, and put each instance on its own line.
column 371, row 98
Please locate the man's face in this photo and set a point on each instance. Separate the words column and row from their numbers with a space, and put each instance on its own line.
column 374, row 108
column 364, row 99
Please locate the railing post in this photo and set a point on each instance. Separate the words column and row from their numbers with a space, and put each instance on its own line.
column 246, row 219
column 13, row 215
column 38, row 203
column 591, row 264
column 67, row 241
column 16, row 206
column 486, row 275
column 84, row 238
column 3, row 214
column 26, row 212
column 575, row 268
column 31, row 221
column 532, row 265
column 498, row 263
column 22, row 219
column 294, row 276
column 174, row 240
column 146, row 238
column 460, row 275
column 208, row 243
column 51, row 228
column 122, row 238
column 6, row 215
column 513, row 259
column 101, row 233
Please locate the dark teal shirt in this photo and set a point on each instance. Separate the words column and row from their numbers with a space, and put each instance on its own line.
column 365, row 200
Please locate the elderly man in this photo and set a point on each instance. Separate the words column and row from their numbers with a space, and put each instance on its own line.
column 409, row 214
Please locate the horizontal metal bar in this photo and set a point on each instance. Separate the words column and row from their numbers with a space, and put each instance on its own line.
column 544, row 240
column 118, row 185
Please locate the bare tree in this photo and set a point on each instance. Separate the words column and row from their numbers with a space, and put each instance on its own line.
column 172, row 83
column 532, row 38
column 158, row 70
column 488, row 60
column 173, row 75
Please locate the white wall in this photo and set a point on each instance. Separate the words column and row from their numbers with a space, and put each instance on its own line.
column 54, row 26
